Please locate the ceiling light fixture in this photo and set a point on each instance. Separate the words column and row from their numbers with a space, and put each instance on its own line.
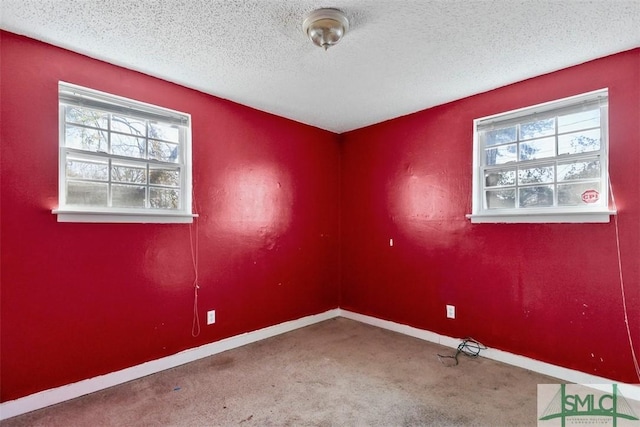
column 325, row 27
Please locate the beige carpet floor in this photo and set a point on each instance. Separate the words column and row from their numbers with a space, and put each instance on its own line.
column 335, row 373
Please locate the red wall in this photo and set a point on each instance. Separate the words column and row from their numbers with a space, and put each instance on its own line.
column 80, row 300
column 547, row 291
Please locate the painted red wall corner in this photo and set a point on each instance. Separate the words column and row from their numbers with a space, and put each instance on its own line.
column 295, row 221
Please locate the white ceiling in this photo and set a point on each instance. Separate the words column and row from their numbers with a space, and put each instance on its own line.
column 399, row 56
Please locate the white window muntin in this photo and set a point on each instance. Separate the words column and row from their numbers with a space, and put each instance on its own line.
column 163, row 163
column 552, row 156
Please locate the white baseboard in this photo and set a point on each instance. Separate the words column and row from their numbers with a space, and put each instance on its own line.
column 52, row 396
column 71, row 391
column 630, row 391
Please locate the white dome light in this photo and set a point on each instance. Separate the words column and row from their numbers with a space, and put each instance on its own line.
column 325, row 27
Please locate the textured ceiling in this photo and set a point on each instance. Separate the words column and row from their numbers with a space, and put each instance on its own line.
column 399, row 56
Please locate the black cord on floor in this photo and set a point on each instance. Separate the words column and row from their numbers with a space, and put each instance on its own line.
column 469, row 347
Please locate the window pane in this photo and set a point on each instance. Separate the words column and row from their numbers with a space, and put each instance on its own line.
column 538, row 149
column 536, row 174
column 86, row 139
column 87, row 193
column 164, row 151
column 579, row 194
column 501, row 155
column 538, row 128
column 164, row 131
column 539, row 196
column 126, row 173
column 579, row 142
column 500, row 136
column 577, row 121
column 123, row 145
column 495, row 178
column 166, row 177
column 129, row 125
column 542, row 162
column 501, row 199
column 87, row 117
column 120, row 155
column 87, row 170
column 127, row 196
column 579, row 170
column 164, row 198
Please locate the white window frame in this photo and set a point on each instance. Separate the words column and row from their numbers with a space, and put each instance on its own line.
column 587, row 213
column 74, row 95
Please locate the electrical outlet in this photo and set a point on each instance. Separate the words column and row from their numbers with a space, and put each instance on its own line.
column 451, row 311
column 211, row 317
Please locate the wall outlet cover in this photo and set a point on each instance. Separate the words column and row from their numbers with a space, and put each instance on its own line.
column 451, row 312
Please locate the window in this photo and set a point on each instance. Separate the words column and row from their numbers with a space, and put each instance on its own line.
column 122, row 160
column 546, row 163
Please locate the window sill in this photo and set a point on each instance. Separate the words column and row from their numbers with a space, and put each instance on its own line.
column 542, row 217
column 65, row 215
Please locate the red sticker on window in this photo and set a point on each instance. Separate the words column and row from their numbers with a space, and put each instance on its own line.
column 590, row 196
